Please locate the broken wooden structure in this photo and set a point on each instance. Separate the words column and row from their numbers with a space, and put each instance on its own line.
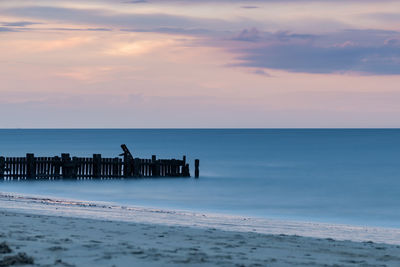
column 97, row 167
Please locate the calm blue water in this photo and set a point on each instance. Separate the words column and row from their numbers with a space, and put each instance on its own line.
column 340, row 176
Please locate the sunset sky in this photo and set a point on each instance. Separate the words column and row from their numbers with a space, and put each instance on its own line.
column 199, row 63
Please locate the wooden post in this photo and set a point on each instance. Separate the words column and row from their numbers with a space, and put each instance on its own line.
column 153, row 166
column 173, row 168
column 128, row 161
column 115, row 168
column 158, row 168
column 136, row 167
column 96, row 165
column 31, row 166
column 120, row 168
column 196, row 168
column 166, row 168
column 2, row 167
column 66, row 165
column 75, row 167
column 21, row 168
column 183, row 173
column 19, row 172
column 57, row 166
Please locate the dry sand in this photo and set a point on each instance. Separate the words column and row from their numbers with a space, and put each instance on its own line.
column 51, row 240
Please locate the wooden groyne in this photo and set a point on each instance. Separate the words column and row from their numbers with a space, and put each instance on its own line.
column 96, row 167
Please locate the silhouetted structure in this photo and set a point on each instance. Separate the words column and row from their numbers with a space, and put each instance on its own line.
column 196, row 170
column 97, row 167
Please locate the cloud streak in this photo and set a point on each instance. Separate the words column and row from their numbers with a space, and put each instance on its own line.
column 7, row 29
column 364, row 52
column 311, row 59
column 18, row 23
column 108, row 18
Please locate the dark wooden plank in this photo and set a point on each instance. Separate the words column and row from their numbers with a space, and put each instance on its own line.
column 31, row 166
column 44, row 172
column 173, row 167
column 74, row 167
column 13, row 168
column 110, row 168
column 89, row 171
column 66, row 165
column 97, row 165
column 77, row 167
column 46, row 168
column 136, row 167
column 16, row 168
column 153, row 166
column 102, row 166
column 157, row 168
column 196, row 168
column 120, row 163
column 23, row 168
column 10, row 167
column 37, row 168
column 89, row 168
column 43, row 165
column 115, row 167
column 57, row 166
column 2, row 167
column 83, row 168
column 82, row 171
column 168, row 168
column 50, row 165
column 106, row 168
column 51, row 168
column 6, row 169
column 20, row 169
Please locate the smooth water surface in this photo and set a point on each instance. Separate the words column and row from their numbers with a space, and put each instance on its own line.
column 339, row 176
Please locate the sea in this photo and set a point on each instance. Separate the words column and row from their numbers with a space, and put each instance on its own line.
column 343, row 176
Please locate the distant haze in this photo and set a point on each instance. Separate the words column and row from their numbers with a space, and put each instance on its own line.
column 175, row 63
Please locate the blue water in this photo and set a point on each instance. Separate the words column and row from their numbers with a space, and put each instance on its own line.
column 339, row 176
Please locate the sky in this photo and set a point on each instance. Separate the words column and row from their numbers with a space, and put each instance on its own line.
column 199, row 63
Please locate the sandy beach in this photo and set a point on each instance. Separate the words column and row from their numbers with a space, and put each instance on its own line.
column 54, row 236
column 64, row 241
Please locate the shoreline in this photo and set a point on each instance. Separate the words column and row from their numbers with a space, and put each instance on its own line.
column 54, row 232
column 39, row 205
column 67, row 241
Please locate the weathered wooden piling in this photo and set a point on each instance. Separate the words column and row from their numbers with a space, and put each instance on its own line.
column 31, row 166
column 154, row 170
column 57, row 167
column 96, row 165
column 2, row 167
column 196, row 168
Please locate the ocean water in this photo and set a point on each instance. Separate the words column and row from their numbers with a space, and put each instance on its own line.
column 349, row 176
